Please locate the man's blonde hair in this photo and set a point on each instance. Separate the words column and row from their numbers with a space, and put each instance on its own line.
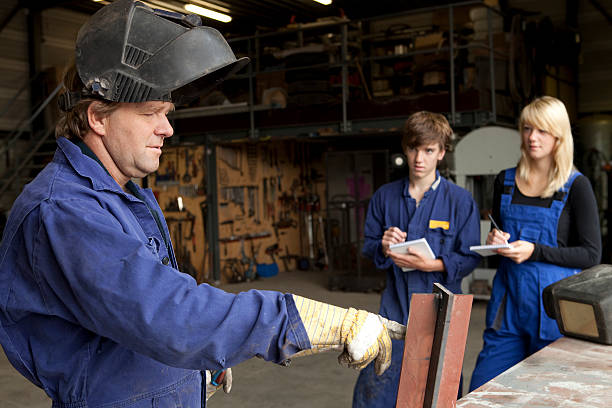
column 549, row 114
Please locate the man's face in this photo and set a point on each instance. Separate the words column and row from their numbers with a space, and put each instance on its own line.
column 134, row 136
column 423, row 160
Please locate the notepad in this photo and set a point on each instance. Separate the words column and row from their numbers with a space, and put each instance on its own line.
column 488, row 250
column 420, row 245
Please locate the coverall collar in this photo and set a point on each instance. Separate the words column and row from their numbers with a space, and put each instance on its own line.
column 99, row 180
column 433, row 187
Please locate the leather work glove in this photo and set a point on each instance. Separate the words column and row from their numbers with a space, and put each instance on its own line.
column 360, row 335
column 217, row 379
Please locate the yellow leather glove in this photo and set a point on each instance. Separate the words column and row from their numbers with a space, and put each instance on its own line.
column 360, row 335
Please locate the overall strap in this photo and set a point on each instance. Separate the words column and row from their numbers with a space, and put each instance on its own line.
column 561, row 194
column 506, row 196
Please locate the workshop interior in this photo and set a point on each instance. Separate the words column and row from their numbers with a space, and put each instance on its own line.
column 272, row 171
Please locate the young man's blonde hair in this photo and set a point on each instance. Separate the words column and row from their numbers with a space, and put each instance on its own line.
column 549, row 114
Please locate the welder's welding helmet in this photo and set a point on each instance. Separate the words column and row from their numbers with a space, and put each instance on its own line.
column 129, row 52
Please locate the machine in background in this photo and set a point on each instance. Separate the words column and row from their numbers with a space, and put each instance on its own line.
column 477, row 158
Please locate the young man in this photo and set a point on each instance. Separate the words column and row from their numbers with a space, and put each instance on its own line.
column 422, row 205
column 92, row 306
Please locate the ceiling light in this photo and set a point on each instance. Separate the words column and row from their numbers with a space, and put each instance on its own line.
column 398, row 160
column 324, row 2
column 224, row 18
column 211, row 6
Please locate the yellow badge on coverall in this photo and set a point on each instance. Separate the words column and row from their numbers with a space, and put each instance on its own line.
column 438, row 224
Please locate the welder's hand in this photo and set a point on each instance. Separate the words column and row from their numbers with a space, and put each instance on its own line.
column 391, row 236
column 217, row 379
column 361, row 336
column 369, row 338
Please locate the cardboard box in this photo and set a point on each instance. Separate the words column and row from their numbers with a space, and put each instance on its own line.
column 268, row 80
column 433, row 40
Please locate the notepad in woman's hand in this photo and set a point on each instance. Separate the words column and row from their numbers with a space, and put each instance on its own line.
column 488, row 250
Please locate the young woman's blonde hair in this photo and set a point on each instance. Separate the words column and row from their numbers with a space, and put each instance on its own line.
column 549, row 114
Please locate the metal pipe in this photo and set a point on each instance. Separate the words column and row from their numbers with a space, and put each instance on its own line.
column 491, row 67
column 451, row 51
column 10, row 16
column 42, row 106
column 344, row 56
column 252, row 130
column 25, row 161
column 212, row 223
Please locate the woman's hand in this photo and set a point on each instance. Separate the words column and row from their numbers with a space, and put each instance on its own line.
column 497, row 237
column 392, row 236
column 519, row 251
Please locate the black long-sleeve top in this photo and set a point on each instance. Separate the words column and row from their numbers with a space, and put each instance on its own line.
column 578, row 234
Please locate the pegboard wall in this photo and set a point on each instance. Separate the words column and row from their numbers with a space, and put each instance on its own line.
column 182, row 174
column 270, row 197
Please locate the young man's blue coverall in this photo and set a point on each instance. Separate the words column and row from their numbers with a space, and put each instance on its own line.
column 448, row 218
column 516, row 323
column 92, row 306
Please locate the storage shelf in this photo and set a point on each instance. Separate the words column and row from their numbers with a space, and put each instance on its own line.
column 345, row 35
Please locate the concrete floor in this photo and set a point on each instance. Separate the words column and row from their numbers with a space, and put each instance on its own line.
column 314, row 381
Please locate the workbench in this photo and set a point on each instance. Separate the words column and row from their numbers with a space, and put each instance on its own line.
column 566, row 373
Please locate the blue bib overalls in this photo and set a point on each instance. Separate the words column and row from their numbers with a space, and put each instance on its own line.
column 516, row 323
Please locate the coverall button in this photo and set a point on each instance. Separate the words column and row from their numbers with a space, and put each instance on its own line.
column 441, row 240
column 165, row 260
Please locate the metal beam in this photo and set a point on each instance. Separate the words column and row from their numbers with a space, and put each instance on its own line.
column 9, row 17
column 602, row 10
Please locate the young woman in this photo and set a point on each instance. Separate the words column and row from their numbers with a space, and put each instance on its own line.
column 548, row 214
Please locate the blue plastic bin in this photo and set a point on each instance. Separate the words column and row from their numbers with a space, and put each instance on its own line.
column 267, row 270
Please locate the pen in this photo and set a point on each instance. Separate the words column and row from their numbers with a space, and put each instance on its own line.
column 495, row 225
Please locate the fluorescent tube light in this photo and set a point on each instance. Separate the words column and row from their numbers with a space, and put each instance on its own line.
column 210, row 6
column 224, row 18
column 324, row 2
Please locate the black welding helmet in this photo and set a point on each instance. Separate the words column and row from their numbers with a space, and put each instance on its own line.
column 129, row 52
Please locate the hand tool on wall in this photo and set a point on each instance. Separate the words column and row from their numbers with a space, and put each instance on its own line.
column 323, row 260
column 249, row 273
column 207, row 262
column 201, row 190
column 285, row 259
column 257, row 208
column 188, row 157
column 190, row 219
column 271, row 251
column 252, row 158
column 265, row 198
column 231, row 156
column 231, row 224
column 254, row 250
column 239, row 198
column 252, row 200
column 168, row 176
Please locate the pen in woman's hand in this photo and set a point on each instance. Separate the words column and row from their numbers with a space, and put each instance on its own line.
column 496, row 226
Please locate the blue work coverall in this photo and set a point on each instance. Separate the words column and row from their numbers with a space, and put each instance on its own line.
column 449, row 219
column 516, row 323
column 94, row 311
